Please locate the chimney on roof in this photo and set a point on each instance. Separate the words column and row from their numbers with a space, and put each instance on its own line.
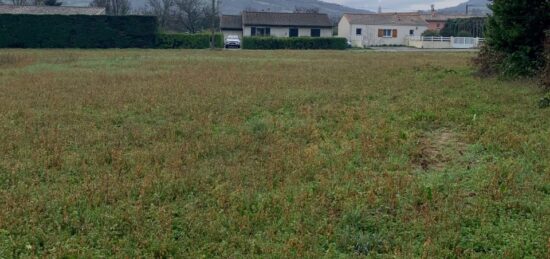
column 433, row 10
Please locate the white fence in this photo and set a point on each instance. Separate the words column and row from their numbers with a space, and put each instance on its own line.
column 430, row 38
column 429, row 42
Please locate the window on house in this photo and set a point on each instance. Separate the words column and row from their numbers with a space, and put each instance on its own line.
column 411, row 32
column 293, row 32
column 260, row 31
column 438, row 25
column 387, row 33
column 315, row 32
column 358, row 31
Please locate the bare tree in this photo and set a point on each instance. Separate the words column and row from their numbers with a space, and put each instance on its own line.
column 163, row 10
column 120, row 7
column 113, row 7
column 19, row 2
column 191, row 13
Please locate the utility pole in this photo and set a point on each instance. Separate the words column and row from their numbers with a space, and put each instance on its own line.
column 213, row 25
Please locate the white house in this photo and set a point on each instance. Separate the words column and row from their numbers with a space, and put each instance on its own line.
column 276, row 24
column 380, row 29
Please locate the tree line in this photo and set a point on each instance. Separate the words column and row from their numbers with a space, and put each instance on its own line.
column 173, row 15
column 183, row 15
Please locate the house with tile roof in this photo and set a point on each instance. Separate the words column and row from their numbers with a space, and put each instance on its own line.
column 381, row 29
column 436, row 22
column 51, row 10
column 276, row 24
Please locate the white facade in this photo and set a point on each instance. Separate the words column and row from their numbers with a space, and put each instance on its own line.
column 363, row 35
column 232, row 32
column 285, row 31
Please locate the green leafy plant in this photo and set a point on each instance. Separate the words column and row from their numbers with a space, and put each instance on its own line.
column 515, row 31
column 544, row 102
column 431, row 33
column 465, row 27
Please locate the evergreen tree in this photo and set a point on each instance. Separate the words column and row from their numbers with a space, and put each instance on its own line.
column 515, row 34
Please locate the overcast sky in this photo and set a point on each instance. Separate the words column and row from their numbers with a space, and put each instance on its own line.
column 397, row 5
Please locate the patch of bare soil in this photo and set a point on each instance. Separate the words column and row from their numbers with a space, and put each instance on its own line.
column 437, row 149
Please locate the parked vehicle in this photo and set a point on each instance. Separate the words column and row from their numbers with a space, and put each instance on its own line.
column 232, row 41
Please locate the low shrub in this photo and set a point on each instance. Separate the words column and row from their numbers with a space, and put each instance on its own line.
column 187, row 41
column 431, row 33
column 294, row 43
column 544, row 102
column 464, row 34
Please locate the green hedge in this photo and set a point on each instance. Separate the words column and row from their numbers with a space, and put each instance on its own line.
column 187, row 41
column 465, row 27
column 77, row 31
column 546, row 71
column 294, row 43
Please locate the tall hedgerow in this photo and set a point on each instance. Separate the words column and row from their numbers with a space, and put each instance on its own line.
column 515, row 38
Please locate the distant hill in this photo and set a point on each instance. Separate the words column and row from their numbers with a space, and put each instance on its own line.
column 236, row 6
column 476, row 7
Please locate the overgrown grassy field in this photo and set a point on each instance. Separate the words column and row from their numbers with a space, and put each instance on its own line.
column 150, row 153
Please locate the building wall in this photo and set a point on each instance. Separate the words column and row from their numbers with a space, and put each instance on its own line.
column 344, row 28
column 283, row 31
column 232, row 32
column 369, row 34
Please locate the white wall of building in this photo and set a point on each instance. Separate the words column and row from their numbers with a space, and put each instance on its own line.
column 369, row 34
column 344, row 28
column 371, row 38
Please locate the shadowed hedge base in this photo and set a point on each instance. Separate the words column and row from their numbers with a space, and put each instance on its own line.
column 188, row 41
column 268, row 154
column 294, row 43
column 77, row 31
